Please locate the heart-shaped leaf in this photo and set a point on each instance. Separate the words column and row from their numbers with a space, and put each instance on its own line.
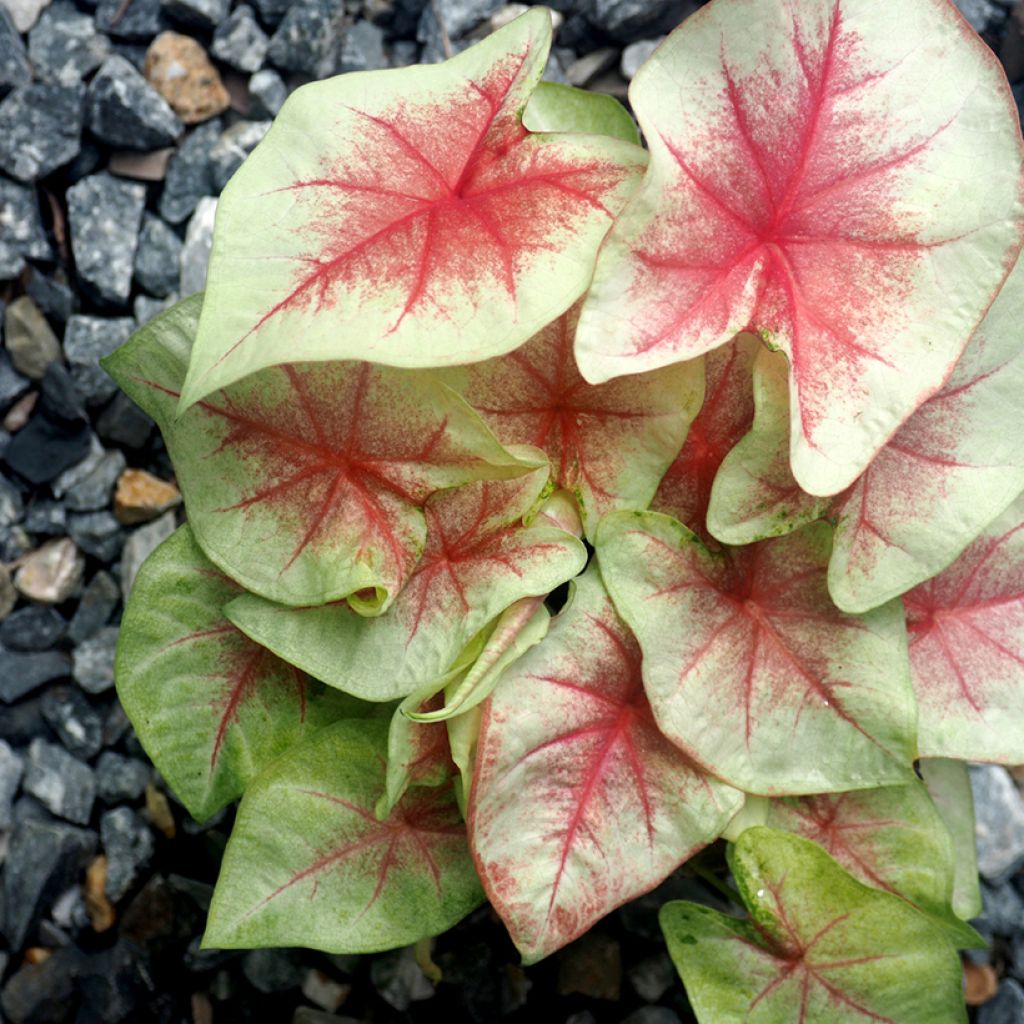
column 945, row 475
column 967, row 648
column 579, row 802
column 306, row 483
column 724, row 418
column 407, row 217
column 180, row 660
column 609, row 445
column 813, row 178
column 749, row 666
column 819, row 946
column 309, row 864
column 478, row 560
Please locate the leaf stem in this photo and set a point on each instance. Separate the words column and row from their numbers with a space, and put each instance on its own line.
column 710, row 878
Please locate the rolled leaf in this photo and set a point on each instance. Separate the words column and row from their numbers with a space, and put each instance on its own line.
column 608, row 445
column 554, row 107
column 819, row 946
column 179, row 660
column 309, row 864
column 479, row 559
column 306, row 483
column 967, row 648
column 579, row 802
column 813, row 179
column 407, row 217
column 749, row 666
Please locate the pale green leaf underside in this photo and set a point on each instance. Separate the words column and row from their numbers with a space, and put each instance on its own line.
column 554, row 107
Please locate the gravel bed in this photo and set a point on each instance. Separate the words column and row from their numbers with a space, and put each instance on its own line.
column 120, row 122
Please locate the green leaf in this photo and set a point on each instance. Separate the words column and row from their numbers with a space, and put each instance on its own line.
column 407, row 217
column 478, row 560
column 749, row 666
column 211, row 707
column 309, row 864
column 306, row 482
column 554, row 107
column 819, row 948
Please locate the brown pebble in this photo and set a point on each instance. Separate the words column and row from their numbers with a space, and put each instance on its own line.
column 37, row 954
column 140, row 497
column 202, row 1008
column 179, row 69
column 100, row 910
column 980, row 983
column 159, row 811
column 18, row 414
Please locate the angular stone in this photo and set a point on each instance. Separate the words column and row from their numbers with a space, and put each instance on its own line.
column 51, row 574
column 123, row 109
column 44, row 859
column 40, row 129
column 24, row 13
column 189, row 174
column 149, row 166
column 267, row 93
column 128, row 843
column 138, row 547
column 32, row 628
column 46, row 518
column 30, row 340
column 156, row 259
column 233, row 146
column 999, row 822
column 18, row 415
column 240, row 42
column 978, row 13
column 92, row 661
column 74, row 721
column 201, row 14
column 97, row 533
column 14, row 66
column 459, row 16
column 178, row 68
column 48, row 445
column 65, row 46
column 398, row 979
column 362, row 48
column 626, row 21
column 308, row 38
column 123, row 422
column 105, row 215
column 8, row 594
column 636, row 55
column 11, row 771
column 1006, row 1008
column 139, row 22
column 140, row 497
column 120, row 778
column 78, row 472
column 21, row 229
column 22, row 673
column 87, row 340
column 12, row 508
column 271, row 11
column 195, row 253
column 96, row 605
column 64, row 785
column 94, row 491
column 273, row 970
column 52, row 294
column 145, row 307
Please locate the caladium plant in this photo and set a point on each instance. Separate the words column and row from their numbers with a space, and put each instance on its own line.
column 559, row 506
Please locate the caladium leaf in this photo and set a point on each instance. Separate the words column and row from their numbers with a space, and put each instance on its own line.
column 945, row 475
column 812, row 179
column 609, row 445
column 949, row 784
column 749, row 666
column 407, row 217
column 892, row 838
column 819, row 946
column 478, row 560
column 306, row 483
column 724, row 418
column 967, row 648
column 309, row 863
column 180, row 660
column 554, row 107
column 579, row 802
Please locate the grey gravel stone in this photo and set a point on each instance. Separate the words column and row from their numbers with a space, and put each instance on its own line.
column 65, row 46
column 308, row 38
column 240, row 42
column 201, row 14
column 32, row 628
column 233, row 146
column 156, row 259
column 273, row 970
column 105, row 216
column 120, row 778
column 21, row 229
column 999, row 822
column 14, row 67
column 94, row 491
column 52, row 294
column 40, row 129
column 459, row 17
column 92, row 661
column 625, row 21
column 978, row 13
column 145, row 307
column 21, row 673
column 1006, row 1008
column 11, row 770
column 652, row 1015
column 128, row 843
column 80, row 470
column 74, row 721
column 140, row 22
column 46, row 518
column 44, row 859
column 267, row 93
column 123, row 109
column 190, row 173
column 24, row 12
column 97, row 533
column 96, row 605
column 636, row 54
column 30, row 340
column 362, row 48
column 87, row 340
column 123, row 422
column 652, row 977
column 398, row 980
column 12, row 384
column 42, row 992
column 195, row 254
column 64, row 785
column 12, row 507
column 138, row 547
